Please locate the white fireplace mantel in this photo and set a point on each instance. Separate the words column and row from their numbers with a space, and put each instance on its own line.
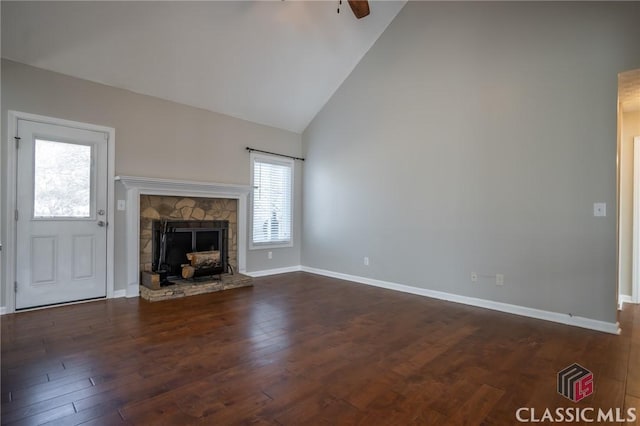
column 136, row 186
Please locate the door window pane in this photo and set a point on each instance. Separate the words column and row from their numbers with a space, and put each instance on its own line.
column 62, row 186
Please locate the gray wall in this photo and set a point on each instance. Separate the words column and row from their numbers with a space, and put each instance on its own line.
column 475, row 137
column 154, row 138
column 630, row 127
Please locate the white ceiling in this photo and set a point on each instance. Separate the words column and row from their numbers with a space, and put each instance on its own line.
column 270, row 62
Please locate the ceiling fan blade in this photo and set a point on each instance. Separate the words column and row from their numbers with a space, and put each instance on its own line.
column 360, row 8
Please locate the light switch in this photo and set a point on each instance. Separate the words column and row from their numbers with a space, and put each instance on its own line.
column 121, row 205
column 599, row 209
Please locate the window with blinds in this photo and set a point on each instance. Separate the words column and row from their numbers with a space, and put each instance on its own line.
column 272, row 205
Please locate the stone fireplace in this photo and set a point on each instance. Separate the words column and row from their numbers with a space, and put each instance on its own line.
column 184, row 213
column 149, row 199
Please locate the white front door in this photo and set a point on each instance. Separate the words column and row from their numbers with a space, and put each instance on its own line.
column 61, row 249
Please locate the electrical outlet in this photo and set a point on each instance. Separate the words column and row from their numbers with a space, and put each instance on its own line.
column 474, row 277
column 270, row 255
column 499, row 279
column 366, row 261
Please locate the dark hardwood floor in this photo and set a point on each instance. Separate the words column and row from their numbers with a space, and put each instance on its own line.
column 300, row 349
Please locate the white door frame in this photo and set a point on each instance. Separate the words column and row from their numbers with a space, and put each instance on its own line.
column 11, row 201
column 635, row 259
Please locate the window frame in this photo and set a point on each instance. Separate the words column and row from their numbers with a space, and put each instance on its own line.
column 253, row 157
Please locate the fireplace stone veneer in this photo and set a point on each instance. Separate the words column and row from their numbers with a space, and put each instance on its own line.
column 153, row 207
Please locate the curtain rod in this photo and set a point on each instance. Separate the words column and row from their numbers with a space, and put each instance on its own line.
column 273, row 153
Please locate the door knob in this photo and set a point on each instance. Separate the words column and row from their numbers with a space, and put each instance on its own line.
column 102, row 223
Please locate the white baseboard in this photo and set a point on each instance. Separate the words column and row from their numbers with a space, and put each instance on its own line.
column 624, row 298
column 267, row 272
column 3, row 310
column 119, row 293
column 473, row 301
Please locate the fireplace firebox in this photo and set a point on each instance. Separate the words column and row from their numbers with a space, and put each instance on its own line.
column 173, row 239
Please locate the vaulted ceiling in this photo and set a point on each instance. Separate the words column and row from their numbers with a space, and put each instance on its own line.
column 270, row 62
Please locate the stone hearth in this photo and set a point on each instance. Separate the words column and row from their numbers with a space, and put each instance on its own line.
column 183, row 288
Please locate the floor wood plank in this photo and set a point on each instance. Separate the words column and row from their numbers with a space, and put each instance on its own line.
column 300, row 349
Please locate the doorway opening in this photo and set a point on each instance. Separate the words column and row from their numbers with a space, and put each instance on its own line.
column 629, row 187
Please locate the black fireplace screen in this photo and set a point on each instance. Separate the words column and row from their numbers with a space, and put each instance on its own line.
column 173, row 239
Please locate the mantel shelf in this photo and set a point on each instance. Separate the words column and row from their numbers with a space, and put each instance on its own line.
column 158, row 184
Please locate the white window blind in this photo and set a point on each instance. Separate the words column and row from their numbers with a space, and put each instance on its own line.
column 272, row 201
